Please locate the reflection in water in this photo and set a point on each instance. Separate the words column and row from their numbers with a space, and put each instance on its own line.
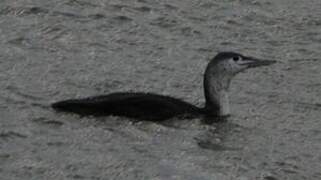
column 215, row 146
column 214, row 138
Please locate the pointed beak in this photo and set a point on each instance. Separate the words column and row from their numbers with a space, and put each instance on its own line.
column 253, row 62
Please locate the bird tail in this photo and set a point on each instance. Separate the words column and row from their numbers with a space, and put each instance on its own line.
column 67, row 105
column 79, row 106
column 97, row 106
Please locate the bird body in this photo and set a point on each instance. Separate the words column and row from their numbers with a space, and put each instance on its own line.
column 147, row 106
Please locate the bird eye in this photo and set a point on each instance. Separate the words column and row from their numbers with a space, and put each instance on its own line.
column 236, row 58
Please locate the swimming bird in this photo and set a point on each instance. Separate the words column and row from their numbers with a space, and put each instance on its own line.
column 148, row 106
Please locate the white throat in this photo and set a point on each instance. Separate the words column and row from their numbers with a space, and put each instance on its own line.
column 224, row 103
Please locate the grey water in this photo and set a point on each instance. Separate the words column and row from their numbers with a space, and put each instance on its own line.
column 56, row 49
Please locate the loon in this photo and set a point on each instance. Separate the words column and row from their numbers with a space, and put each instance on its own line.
column 148, row 106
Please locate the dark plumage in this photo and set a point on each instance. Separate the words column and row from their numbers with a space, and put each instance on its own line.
column 147, row 106
column 135, row 105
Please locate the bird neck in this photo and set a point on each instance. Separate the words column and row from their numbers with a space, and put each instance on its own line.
column 216, row 87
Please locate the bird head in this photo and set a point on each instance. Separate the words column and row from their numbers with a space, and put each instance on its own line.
column 233, row 63
column 218, row 74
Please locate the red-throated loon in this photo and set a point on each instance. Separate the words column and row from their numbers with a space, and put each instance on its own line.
column 146, row 106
